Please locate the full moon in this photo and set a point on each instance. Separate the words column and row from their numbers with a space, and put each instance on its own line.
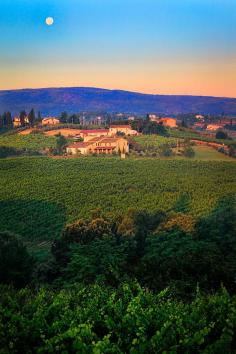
column 49, row 21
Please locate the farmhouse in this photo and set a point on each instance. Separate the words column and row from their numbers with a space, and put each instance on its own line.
column 199, row 117
column 50, row 121
column 17, row 122
column 214, row 126
column 102, row 145
column 153, row 118
column 126, row 129
column 87, row 134
column 168, row 122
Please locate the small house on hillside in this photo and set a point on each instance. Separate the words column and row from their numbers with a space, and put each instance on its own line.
column 126, row 129
column 168, row 122
column 17, row 121
column 214, row 127
column 50, row 121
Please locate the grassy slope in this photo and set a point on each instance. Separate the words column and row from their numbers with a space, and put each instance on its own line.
column 30, row 142
column 154, row 140
column 41, row 194
column 203, row 153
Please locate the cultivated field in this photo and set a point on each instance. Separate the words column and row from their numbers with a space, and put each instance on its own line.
column 34, row 142
column 41, row 194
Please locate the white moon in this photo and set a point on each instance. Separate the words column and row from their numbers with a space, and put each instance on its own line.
column 49, row 21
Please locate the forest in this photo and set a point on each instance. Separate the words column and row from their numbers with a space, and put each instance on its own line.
column 143, row 283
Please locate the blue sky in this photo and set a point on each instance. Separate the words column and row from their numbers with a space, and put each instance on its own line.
column 165, row 46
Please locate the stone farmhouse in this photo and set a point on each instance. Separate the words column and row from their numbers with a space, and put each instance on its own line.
column 99, row 145
column 50, row 121
column 126, row 129
column 102, row 141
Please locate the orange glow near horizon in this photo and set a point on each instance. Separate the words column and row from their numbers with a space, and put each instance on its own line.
column 190, row 78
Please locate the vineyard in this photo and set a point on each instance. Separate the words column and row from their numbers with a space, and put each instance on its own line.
column 155, row 140
column 33, row 142
column 40, row 194
column 97, row 319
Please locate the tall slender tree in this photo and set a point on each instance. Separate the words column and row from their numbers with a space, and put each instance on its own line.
column 64, row 117
column 9, row 121
column 31, row 117
column 23, row 115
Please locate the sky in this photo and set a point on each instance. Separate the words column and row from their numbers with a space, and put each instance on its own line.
column 150, row 46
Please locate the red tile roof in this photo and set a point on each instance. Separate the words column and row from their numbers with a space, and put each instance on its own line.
column 78, row 145
column 88, row 131
column 121, row 126
column 167, row 118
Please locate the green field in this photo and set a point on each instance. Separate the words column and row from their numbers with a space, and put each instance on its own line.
column 205, row 153
column 41, row 195
column 155, row 141
column 31, row 142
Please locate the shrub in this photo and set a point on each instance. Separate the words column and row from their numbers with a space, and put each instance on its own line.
column 221, row 135
column 16, row 264
column 189, row 152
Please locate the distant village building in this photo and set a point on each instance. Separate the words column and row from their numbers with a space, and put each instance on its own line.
column 199, row 116
column 153, row 118
column 126, row 129
column 102, row 145
column 50, row 121
column 214, row 127
column 168, row 122
column 17, row 122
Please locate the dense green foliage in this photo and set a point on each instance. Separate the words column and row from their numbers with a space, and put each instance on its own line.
column 97, row 319
column 15, row 263
column 221, row 135
column 40, row 195
column 158, row 249
column 189, row 152
column 60, row 143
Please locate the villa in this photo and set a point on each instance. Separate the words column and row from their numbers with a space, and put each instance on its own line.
column 102, row 145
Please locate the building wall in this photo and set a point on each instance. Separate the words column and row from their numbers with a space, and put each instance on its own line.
column 76, row 151
column 125, row 130
column 117, row 145
column 169, row 122
column 50, row 121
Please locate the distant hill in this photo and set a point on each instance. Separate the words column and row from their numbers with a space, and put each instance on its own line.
column 52, row 101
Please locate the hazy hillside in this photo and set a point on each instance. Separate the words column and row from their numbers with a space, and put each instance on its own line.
column 55, row 100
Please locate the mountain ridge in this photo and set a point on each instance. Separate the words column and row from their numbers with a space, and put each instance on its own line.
column 54, row 100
